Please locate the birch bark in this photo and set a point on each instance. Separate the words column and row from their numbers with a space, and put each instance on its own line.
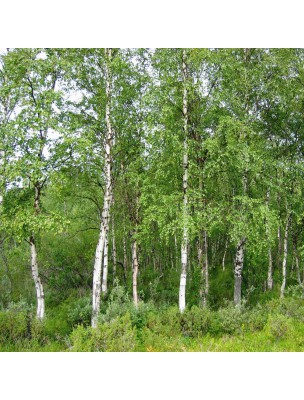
column 238, row 269
column 104, row 285
column 34, row 262
column 270, row 262
column 37, row 280
column 104, row 226
column 135, row 270
column 224, row 255
column 285, row 253
column 239, row 257
column 184, row 246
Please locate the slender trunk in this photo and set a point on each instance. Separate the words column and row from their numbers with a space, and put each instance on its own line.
column 104, row 226
column 184, row 246
column 206, row 269
column 285, row 253
column 104, row 285
column 125, row 258
column 135, row 270
column 135, row 263
column 238, row 269
column 37, row 280
column 97, row 276
column 114, row 250
column 225, row 252
column 205, row 273
column 270, row 262
column 270, row 271
column 240, row 252
column 34, row 262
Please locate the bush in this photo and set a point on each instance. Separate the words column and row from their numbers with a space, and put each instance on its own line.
column 166, row 322
column 255, row 319
column 279, row 326
column 141, row 314
column 80, row 312
column 196, row 321
column 116, row 335
column 230, row 319
column 291, row 307
column 13, row 326
column 38, row 333
column 118, row 305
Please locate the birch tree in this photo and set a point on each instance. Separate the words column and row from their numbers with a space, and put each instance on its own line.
column 184, row 246
column 35, row 158
column 104, row 226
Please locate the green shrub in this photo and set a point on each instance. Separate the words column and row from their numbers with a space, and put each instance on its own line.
column 118, row 305
column 230, row 319
column 80, row 312
column 38, row 333
column 116, row 335
column 279, row 326
column 140, row 315
column 13, row 326
column 166, row 322
column 196, row 321
column 255, row 319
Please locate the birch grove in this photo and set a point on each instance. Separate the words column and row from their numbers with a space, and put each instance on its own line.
column 202, row 149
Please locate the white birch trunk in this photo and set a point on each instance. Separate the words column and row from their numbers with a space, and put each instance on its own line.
column 37, row 280
column 240, row 253
column 104, row 285
column 279, row 246
column 270, row 270
column 184, row 246
column 135, row 270
column 104, row 226
column 114, row 249
column 238, row 269
column 97, row 276
column 285, row 253
column 298, row 269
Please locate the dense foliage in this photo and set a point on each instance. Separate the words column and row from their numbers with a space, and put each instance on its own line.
column 154, row 177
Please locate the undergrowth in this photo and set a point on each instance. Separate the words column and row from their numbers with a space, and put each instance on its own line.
column 277, row 325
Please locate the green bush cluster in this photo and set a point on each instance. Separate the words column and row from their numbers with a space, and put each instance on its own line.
column 80, row 312
column 116, row 335
column 279, row 326
column 14, row 326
